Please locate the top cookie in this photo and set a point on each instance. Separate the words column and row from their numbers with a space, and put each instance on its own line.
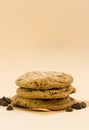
column 44, row 80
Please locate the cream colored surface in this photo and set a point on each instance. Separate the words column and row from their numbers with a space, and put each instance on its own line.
column 44, row 35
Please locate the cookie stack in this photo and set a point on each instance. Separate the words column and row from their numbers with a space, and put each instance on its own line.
column 44, row 90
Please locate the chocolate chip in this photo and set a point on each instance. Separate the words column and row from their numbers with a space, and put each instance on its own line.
column 40, row 84
column 83, row 104
column 9, row 107
column 1, row 101
column 55, row 92
column 36, row 83
column 25, row 105
column 44, row 96
column 74, row 105
column 78, row 105
column 35, row 102
column 4, row 103
column 7, row 100
column 69, row 109
column 3, row 97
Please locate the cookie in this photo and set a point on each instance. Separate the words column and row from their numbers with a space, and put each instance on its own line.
column 50, row 104
column 44, row 80
column 45, row 94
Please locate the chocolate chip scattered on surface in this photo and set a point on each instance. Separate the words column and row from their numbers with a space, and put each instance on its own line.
column 69, row 109
column 5, row 101
column 8, row 100
column 83, row 104
column 9, row 107
column 79, row 105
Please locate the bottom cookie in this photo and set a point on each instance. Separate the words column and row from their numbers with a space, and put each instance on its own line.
column 50, row 104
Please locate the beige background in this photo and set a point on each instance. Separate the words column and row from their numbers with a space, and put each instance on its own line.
column 44, row 35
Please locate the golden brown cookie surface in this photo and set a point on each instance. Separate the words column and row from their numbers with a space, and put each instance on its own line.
column 44, row 80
